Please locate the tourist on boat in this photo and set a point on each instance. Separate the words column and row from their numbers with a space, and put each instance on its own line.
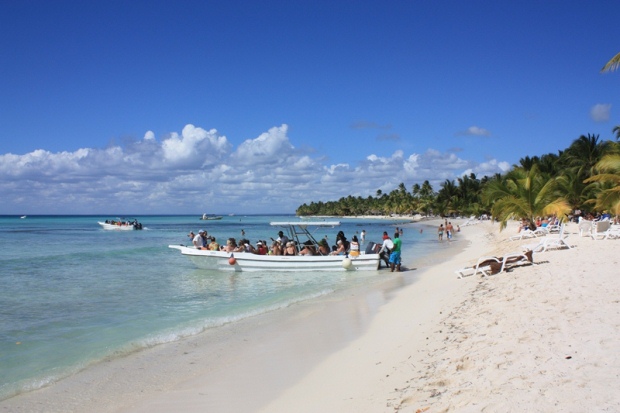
column 341, row 237
column 354, row 247
column 248, row 246
column 261, row 248
column 191, row 235
column 308, row 249
column 213, row 245
column 282, row 238
column 199, row 240
column 241, row 246
column 230, row 246
column 290, row 249
column 276, row 249
column 323, row 247
column 340, row 248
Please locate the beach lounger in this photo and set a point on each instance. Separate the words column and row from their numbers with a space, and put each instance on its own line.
column 585, row 228
column 613, row 232
column 524, row 234
column 549, row 243
column 494, row 265
column 483, row 266
column 599, row 229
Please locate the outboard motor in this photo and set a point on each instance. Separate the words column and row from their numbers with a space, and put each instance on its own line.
column 371, row 248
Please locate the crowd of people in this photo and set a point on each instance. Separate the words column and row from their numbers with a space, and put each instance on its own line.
column 389, row 250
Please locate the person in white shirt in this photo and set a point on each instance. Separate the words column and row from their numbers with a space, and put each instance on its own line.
column 199, row 240
column 386, row 249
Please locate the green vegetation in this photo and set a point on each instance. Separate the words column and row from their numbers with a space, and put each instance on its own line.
column 585, row 176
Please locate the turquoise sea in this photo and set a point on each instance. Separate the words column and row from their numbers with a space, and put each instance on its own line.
column 73, row 294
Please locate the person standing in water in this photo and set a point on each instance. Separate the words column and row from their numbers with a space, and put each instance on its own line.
column 395, row 254
column 440, row 232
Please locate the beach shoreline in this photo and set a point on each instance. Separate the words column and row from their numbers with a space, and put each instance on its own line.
column 426, row 340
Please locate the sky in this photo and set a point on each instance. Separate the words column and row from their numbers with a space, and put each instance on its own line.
column 252, row 107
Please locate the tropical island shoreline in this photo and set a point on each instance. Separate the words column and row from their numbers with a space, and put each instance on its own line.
column 538, row 338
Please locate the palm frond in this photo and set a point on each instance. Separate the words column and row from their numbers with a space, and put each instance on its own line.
column 612, row 65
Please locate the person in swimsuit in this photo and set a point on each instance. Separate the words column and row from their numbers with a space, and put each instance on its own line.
column 440, row 232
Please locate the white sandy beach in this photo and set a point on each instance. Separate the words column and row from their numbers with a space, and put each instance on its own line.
column 539, row 338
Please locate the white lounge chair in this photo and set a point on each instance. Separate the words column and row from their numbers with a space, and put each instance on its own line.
column 599, row 229
column 585, row 228
column 494, row 265
column 549, row 242
column 483, row 266
column 523, row 234
column 613, row 232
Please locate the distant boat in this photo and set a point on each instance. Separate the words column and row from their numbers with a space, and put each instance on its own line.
column 121, row 224
column 23, row 216
column 206, row 217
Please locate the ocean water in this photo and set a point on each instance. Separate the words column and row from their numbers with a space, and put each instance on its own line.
column 73, row 294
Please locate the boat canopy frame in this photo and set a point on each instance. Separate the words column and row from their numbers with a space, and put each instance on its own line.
column 296, row 231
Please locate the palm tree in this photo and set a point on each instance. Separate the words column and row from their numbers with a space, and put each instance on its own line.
column 616, row 130
column 448, row 198
column 524, row 194
column 608, row 198
column 612, row 64
column 584, row 153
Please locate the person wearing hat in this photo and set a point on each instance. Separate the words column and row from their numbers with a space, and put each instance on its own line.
column 323, row 247
column 199, row 240
column 283, row 239
column 261, row 248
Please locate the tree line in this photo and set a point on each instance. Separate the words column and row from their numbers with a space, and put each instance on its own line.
column 585, row 176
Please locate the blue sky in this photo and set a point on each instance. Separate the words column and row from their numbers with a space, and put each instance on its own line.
column 252, row 107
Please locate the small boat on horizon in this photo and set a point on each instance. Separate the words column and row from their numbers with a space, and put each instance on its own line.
column 121, row 224
column 23, row 216
column 206, row 217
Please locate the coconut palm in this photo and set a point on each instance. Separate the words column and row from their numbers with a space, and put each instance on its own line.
column 584, row 153
column 616, row 131
column 608, row 198
column 524, row 194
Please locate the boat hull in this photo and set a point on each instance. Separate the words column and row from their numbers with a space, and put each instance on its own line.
column 243, row 261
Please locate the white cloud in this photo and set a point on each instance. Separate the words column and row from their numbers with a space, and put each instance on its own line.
column 475, row 131
column 600, row 112
column 186, row 172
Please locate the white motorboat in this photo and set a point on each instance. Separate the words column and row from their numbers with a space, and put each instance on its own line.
column 297, row 232
column 120, row 224
column 206, row 217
